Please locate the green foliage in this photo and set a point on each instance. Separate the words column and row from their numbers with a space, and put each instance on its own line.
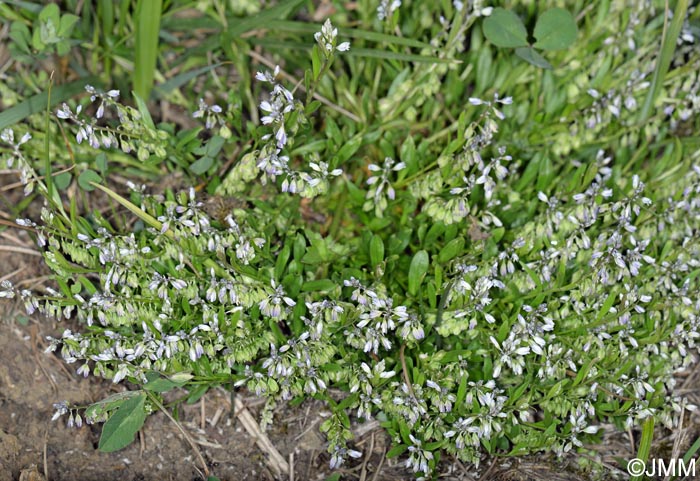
column 121, row 427
column 51, row 33
column 147, row 17
column 504, row 29
column 87, row 177
column 555, row 30
column 400, row 221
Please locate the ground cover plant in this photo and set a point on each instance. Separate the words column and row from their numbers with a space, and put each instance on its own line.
column 475, row 223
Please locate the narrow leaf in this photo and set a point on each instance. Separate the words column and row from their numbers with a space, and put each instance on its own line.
column 147, row 20
column 530, row 55
column 262, row 19
column 376, row 250
column 181, row 79
column 38, row 102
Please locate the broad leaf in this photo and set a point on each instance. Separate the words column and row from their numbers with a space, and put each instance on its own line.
column 121, row 428
column 86, row 177
column 555, row 30
column 505, row 29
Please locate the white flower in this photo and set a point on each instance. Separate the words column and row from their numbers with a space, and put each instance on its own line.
column 326, row 39
column 386, row 9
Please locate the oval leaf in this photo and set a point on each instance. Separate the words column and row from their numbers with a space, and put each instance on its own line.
column 529, row 54
column 119, row 431
column 202, row 165
column 376, row 250
column 505, row 29
column 62, row 180
column 555, row 30
column 86, row 177
column 453, row 248
column 417, row 271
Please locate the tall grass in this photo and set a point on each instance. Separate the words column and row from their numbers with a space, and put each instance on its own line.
column 147, row 20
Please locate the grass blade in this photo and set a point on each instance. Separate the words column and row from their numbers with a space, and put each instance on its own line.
column 692, row 450
column 645, row 444
column 147, row 19
column 144, row 216
column 664, row 61
column 407, row 57
column 181, row 79
column 38, row 102
column 32, row 7
column 262, row 19
column 47, row 146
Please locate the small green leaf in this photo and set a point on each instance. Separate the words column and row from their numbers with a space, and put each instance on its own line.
column 50, row 13
column 119, row 431
column 453, row 248
column 555, row 30
column 202, row 165
column 349, row 149
column 409, row 156
column 66, row 25
column 417, row 271
column 214, row 145
column 376, row 250
column 530, row 55
column 62, row 48
column 86, row 177
column 281, row 262
column 19, row 33
column 61, row 181
column 505, row 29
column 101, row 162
column 396, row 451
column 156, row 383
column 197, row 393
column 143, row 110
column 316, row 62
column 320, row 285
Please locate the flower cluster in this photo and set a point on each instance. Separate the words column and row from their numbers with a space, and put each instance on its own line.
column 387, row 8
column 327, row 39
column 132, row 133
column 17, row 159
column 381, row 190
column 213, row 115
column 458, row 294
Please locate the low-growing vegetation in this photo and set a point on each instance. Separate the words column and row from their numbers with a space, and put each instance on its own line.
column 478, row 224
